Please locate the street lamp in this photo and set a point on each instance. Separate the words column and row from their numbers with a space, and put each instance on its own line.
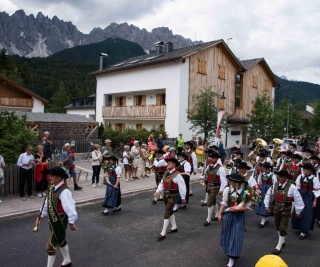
column 221, row 101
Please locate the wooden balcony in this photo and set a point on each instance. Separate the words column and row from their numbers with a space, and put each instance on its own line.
column 16, row 102
column 142, row 112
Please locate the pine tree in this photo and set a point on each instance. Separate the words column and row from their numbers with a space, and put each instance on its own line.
column 59, row 100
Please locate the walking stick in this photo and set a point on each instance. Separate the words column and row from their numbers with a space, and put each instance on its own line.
column 36, row 228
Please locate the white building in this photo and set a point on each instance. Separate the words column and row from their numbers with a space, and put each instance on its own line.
column 84, row 106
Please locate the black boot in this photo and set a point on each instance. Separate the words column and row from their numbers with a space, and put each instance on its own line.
column 76, row 187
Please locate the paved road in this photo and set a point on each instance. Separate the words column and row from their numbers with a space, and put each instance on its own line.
column 129, row 238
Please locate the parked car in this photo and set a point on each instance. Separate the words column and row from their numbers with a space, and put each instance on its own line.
column 286, row 143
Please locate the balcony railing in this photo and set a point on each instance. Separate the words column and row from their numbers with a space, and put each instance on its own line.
column 134, row 112
column 16, row 102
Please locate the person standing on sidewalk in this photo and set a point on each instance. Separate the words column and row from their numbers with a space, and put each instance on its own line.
column 159, row 142
column 40, row 178
column 67, row 160
column 2, row 165
column 143, row 160
column 96, row 165
column 180, row 144
column 61, row 211
column 135, row 151
column 171, row 185
column 26, row 163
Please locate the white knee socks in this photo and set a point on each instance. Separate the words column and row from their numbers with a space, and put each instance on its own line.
column 216, row 210
column 210, row 210
column 65, row 254
column 51, row 260
column 165, row 226
column 230, row 263
column 173, row 222
column 280, row 242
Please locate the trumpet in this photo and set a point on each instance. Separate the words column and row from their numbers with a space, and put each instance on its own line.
column 229, row 165
column 150, row 169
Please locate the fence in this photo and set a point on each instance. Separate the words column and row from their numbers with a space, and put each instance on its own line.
column 81, row 145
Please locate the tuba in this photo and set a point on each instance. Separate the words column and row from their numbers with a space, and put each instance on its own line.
column 276, row 152
column 229, row 165
column 260, row 144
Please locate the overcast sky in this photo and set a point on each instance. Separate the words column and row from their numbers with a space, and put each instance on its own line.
column 285, row 32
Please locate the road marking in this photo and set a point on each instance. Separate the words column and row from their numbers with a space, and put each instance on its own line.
column 83, row 169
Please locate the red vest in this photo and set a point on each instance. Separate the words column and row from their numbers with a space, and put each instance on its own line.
column 281, row 195
column 212, row 176
column 306, row 185
column 57, row 201
column 160, row 169
column 168, row 183
column 294, row 170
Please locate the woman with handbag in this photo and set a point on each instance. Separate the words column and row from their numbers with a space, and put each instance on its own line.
column 40, row 177
column 96, row 165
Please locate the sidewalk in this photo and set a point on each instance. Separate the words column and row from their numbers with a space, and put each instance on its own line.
column 13, row 206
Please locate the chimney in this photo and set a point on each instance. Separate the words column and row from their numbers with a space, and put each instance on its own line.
column 102, row 55
column 169, row 46
column 159, row 47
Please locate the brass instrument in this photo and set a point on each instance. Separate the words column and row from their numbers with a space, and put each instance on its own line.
column 276, row 152
column 260, row 144
column 229, row 165
column 150, row 169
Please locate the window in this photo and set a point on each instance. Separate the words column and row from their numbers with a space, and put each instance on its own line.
column 161, row 100
column 120, row 101
column 161, row 127
column 139, row 100
column 222, row 72
column 139, row 127
column 238, row 91
column 119, row 126
column 202, row 66
column 266, row 85
column 109, row 101
column 255, row 81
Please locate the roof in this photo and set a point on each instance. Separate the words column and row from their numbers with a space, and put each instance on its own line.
column 82, row 103
column 54, row 117
column 71, row 106
column 24, row 89
column 249, row 63
column 166, row 57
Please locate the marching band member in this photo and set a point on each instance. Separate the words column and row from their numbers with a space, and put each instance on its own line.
column 284, row 193
column 160, row 166
column 216, row 149
column 292, row 147
column 306, row 183
column 258, row 168
column 315, row 162
column 171, row 184
column 216, row 181
column 266, row 179
column 280, row 159
column 309, row 154
column 287, row 160
column 192, row 159
column 185, row 170
column 201, row 177
column 295, row 167
column 234, row 168
column 243, row 168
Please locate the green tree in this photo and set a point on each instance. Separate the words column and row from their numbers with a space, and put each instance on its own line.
column 203, row 116
column 14, row 137
column 262, row 118
column 59, row 100
column 315, row 119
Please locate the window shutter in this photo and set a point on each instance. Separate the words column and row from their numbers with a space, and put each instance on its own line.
column 158, row 101
column 135, row 100
column 124, row 101
column 116, row 101
column 143, row 102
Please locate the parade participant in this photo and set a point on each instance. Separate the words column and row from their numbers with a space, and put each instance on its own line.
column 292, row 147
column 215, row 181
column 67, row 158
column 286, row 162
column 113, row 192
column 258, row 168
column 180, row 143
column 41, row 165
column 46, row 142
column 280, row 159
column 166, row 149
column 315, row 160
column 194, row 141
column 237, row 145
column 216, row 149
column 172, row 153
column 107, row 149
column 96, row 165
column 2, row 165
column 243, row 170
column 192, row 159
column 25, row 162
column 233, row 221
column 203, row 172
column 309, row 154
column 160, row 166
column 295, row 167
column 234, row 168
column 171, row 185
column 61, row 211
column 135, row 151
column 284, row 194
column 185, row 170
column 266, row 179
column 306, row 183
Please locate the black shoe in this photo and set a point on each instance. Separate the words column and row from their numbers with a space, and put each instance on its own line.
column 214, row 219
column 275, row 251
column 173, row 231
column 116, row 210
column 261, row 225
column 154, row 202
column 301, row 237
column 206, row 223
column 66, row 265
column 190, row 195
column 104, row 213
column 161, row 237
column 183, row 207
column 76, row 187
column 204, row 204
column 160, row 199
column 175, row 211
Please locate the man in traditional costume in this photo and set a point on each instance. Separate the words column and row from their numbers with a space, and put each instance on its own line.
column 171, row 185
column 160, row 166
column 309, row 154
column 295, row 167
column 192, row 159
column 284, row 193
column 61, row 211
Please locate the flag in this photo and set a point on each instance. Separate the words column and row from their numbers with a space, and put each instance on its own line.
column 220, row 115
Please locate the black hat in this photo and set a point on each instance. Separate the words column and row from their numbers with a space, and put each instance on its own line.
column 214, row 147
column 238, row 152
column 284, row 173
column 293, row 144
column 283, row 152
column 236, row 177
column 234, row 148
column 243, row 165
column 237, row 161
column 267, row 165
column 296, row 156
column 208, row 151
column 112, row 157
column 160, row 151
column 311, row 151
column 289, row 153
column 58, row 171
column 308, row 166
column 214, row 155
column 262, row 154
column 315, row 158
column 174, row 160
column 189, row 143
column 182, row 154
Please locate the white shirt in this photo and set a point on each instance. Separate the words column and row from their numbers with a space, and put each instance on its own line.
column 67, row 203
column 292, row 192
column 316, row 185
column 225, row 195
column 285, row 161
column 181, row 185
column 251, row 181
column 96, row 157
column 24, row 158
column 274, row 178
column 194, row 160
column 118, row 171
column 136, row 152
column 159, row 162
column 186, row 167
column 125, row 160
column 223, row 177
column 2, row 162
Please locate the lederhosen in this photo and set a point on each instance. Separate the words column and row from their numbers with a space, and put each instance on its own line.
column 57, row 218
column 282, row 207
column 159, row 172
column 170, row 192
column 186, row 179
column 212, row 181
column 295, row 171
column 113, row 195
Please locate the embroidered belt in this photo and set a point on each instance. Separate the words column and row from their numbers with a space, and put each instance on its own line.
column 283, row 204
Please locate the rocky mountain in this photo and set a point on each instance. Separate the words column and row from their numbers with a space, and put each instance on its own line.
column 40, row 36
